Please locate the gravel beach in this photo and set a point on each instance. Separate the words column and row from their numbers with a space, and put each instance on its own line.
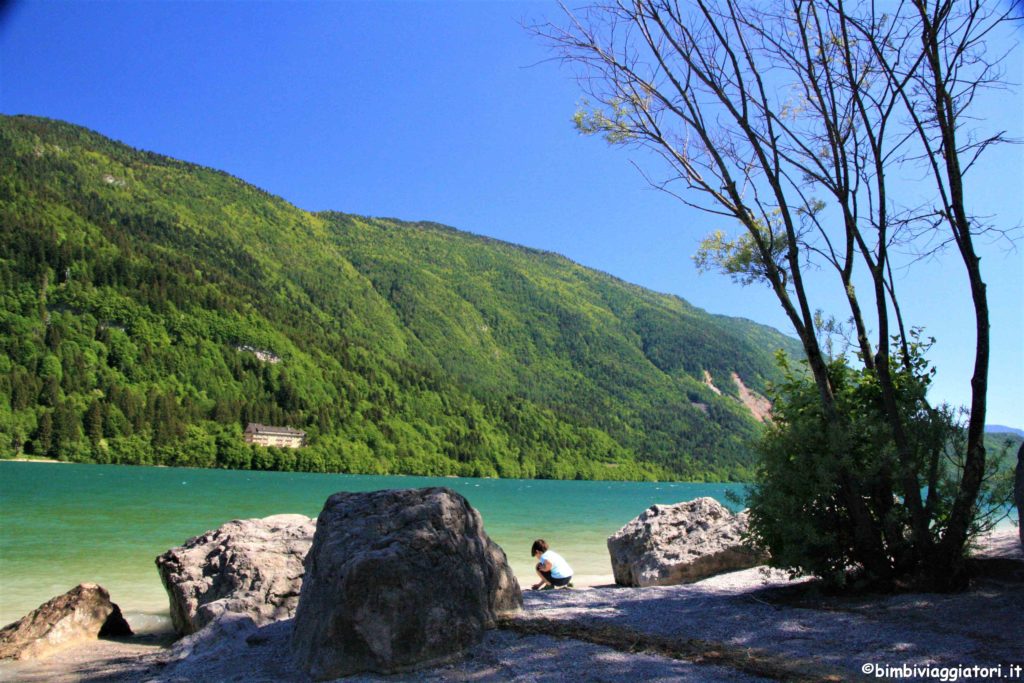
column 752, row 625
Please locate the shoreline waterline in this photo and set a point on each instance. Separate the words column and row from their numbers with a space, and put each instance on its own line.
column 47, row 461
column 107, row 523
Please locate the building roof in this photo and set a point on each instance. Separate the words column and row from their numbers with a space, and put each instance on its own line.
column 269, row 430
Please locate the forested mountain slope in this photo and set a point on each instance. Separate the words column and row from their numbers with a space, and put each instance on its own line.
column 137, row 290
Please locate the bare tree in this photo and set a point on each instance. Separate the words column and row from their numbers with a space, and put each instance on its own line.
column 801, row 120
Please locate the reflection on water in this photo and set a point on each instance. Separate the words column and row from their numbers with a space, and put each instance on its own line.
column 67, row 524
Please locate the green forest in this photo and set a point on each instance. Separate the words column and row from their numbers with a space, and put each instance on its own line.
column 152, row 308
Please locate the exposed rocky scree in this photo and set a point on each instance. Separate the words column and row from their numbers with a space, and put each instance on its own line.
column 681, row 543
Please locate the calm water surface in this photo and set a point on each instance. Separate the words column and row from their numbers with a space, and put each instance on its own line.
column 63, row 524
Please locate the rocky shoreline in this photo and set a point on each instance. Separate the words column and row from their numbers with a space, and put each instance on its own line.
column 749, row 625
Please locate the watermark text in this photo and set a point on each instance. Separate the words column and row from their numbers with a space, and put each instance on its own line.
column 946, row 674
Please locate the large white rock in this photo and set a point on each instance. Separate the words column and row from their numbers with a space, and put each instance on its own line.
column 82, row 614
column 248, row 566
column 681, row 543
column 398, row 580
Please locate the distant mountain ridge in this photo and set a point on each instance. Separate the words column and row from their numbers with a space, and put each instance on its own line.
column 1002, row 429
column 152, row 307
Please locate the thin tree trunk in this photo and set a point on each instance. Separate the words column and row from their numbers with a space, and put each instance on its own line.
column 952, row 545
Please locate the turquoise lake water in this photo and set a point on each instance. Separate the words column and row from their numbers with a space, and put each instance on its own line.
column 63, row 524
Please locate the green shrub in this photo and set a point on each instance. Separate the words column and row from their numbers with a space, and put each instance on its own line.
column 813, row 469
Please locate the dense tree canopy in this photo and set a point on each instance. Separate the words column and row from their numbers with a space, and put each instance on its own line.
column 139, row 294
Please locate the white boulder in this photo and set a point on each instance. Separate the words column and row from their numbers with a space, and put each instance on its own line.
column 681, row 543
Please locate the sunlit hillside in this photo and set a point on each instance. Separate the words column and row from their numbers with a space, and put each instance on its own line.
column 152, row 308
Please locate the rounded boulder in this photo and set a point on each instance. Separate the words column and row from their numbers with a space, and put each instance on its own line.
column 398, row 580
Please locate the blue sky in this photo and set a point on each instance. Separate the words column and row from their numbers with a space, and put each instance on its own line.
column 450, row 112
